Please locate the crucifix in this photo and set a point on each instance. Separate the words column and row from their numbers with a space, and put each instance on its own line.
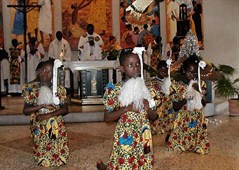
column 24, row 7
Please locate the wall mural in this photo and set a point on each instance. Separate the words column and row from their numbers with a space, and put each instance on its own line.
column 76, row 14
column 183, row 15
column 33, row 28
column 140, row 26
column 134, row 16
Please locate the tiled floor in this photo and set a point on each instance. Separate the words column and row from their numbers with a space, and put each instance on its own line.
column 91, row 141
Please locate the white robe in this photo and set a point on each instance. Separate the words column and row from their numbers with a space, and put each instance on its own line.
column 5, row 74
column 45, row 16
column 88, row 52
column 33, row 61
column 57, row 47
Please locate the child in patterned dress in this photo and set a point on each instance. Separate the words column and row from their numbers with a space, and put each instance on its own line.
column 132, row 144
column 164, row 101
column 190, row 130
column 50, row 141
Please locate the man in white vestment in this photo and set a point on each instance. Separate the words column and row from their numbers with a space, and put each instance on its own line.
column 89, row 45
column 60, row 49
column 35, row 54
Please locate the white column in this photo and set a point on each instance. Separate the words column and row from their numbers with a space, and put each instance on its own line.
column 57, row 14
column 162, row 11
column 116, row 19
column 6, row 12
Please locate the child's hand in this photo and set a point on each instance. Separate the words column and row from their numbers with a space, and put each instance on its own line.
column 189, row 97
column 146, row 105
column 195, row 86
column 203, row 101
column 131, row 108
column 47, row 106
column 42, row 117
column 50, row 107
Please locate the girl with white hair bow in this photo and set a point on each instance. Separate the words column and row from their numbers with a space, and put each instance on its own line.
column 46, row 117
column 130, row 103
column 163, row 92
column 190, row 130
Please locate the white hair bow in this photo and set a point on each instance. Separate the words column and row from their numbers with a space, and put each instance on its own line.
column 139, row 51
column 167, row 81
column 202, row 64
column 169, row 62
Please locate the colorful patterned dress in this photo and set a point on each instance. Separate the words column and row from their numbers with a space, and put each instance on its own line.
column 164, row 106
column 190, row 131
column 132, row 144
column 49, row 136
column 15, row 67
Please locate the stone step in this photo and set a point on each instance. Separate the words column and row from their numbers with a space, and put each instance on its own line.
column 70, row 118
column 220, row 106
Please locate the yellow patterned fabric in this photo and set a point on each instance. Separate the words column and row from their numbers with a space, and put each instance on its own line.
column 190, row 131
column 164, row 105
column 132, row 143
column 15, row 65
column 49, row 136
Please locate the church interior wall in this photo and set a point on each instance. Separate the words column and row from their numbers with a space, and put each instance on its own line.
column 221, row 36
column 221, row 25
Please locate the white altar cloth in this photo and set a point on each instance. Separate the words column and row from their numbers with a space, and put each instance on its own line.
column 89, row 65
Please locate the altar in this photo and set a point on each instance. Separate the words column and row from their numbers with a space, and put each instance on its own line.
column 93, row 77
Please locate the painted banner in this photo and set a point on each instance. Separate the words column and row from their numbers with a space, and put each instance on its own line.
column 182, row 15
column 33, row 20
column 139, row 18
column 76, row 14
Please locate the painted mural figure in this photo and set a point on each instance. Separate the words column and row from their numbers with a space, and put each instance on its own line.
column 98, row 10
column 18, row 23
column 197, row 18
column 188, row 3
column 45, row 18
column 32, row 20
column 173, row 15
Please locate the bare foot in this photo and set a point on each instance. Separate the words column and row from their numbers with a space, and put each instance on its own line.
column 100, row 165
column 167, row 138
column 178, row 150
